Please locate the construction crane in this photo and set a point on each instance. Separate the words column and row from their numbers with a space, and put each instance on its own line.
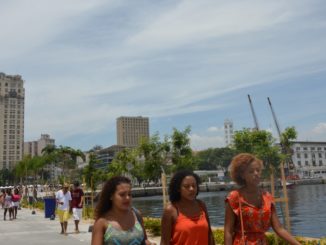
column 289, row 163
column 284, row 173
column 275, row 119
column 253, row 114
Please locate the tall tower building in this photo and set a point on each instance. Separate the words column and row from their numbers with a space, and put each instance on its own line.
column 12, row 97
column 228, row 132
column 130, row 130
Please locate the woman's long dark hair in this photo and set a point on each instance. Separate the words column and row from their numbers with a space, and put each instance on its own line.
column 109, row 188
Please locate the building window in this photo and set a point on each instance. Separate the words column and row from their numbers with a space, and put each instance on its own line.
column 305, row 148
column 320, row 155
column 313, row 163
column 306, row 163
column 319, row 148
column 299, row 163
column 312, row 148
column 305, row 155
column 298, row 155
column 297, row 148
column 320, row 162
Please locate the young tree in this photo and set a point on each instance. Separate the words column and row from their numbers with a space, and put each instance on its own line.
column 181, row 150
column 260, row 143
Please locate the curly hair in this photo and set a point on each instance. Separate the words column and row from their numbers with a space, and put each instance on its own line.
column 239, row 164
column 105, row 203
column 175, row 184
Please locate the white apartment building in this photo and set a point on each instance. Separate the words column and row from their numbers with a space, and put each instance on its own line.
column 34, row 148
column 12, row 104
column 309, row 158
column 130, row 130
column 228, row 132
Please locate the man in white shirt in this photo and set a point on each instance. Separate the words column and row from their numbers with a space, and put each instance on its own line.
column 63, row 198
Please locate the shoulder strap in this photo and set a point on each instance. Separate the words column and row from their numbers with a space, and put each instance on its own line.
column 140, row 222
column 241, row 219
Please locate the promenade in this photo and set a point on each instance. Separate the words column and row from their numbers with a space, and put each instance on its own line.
column 30, row 229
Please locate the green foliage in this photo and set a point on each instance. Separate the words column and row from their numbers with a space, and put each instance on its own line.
column 260, row 143
column 119, row 164
column 218, row 235
column 153, row 225
column 181, row 151
column 214, row 158
column 154, row 153
column 92, row 175
column 88, row 213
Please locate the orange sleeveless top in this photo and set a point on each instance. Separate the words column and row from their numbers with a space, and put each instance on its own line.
column 190, row 231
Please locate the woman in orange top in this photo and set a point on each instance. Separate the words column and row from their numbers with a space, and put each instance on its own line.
column 185, row 220
column 251, row 205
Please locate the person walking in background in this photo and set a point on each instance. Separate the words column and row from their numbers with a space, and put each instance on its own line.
column 16, row 202
column 250, row 211
column 77, row 196
column 185, row 220
column 63, row 199
column 8, row 205
column 2, row 197
column 116, row 222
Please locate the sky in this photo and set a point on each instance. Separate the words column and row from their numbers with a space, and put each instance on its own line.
column 180, row 63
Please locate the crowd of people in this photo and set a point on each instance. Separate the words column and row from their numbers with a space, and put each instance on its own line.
column 249, row 210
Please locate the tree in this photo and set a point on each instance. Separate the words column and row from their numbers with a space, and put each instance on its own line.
column 154, row 154
column 260, row 143
column 214, row 158
column 21, row 169
column 65, row 157
column 92, row 175
column 181, row 150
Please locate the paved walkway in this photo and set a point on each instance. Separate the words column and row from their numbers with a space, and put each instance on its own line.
column 29, row 229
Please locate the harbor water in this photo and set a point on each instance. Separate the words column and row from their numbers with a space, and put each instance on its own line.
column 307, row 204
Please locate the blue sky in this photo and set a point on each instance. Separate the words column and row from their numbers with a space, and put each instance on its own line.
column 180, row 63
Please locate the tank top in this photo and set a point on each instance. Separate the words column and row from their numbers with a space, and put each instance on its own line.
column 8, row 201
column 133, row 236
column 190, row 231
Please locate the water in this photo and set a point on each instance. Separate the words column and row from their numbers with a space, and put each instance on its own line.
column 307, row 205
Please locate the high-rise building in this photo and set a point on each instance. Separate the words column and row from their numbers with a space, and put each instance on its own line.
column 228, row 132
column 130, row 130
column 12, row 97
column 34, row 148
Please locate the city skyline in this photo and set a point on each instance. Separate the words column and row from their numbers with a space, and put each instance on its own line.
column 179, row 63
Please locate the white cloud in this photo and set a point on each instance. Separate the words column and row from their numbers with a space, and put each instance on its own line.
column 215, row 129
column 192, row 21
column 320, row 128
column 201, row 142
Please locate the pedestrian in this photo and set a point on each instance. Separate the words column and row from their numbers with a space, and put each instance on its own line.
column 249, row 210
column 77, row 196
column 116, row 222
column 2, row 197
column 63, row 199
column 185, row 220
column 16, row 201
column 8, row 204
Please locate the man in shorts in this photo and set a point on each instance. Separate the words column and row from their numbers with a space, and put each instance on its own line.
column 63, row 198
column 77, row 204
